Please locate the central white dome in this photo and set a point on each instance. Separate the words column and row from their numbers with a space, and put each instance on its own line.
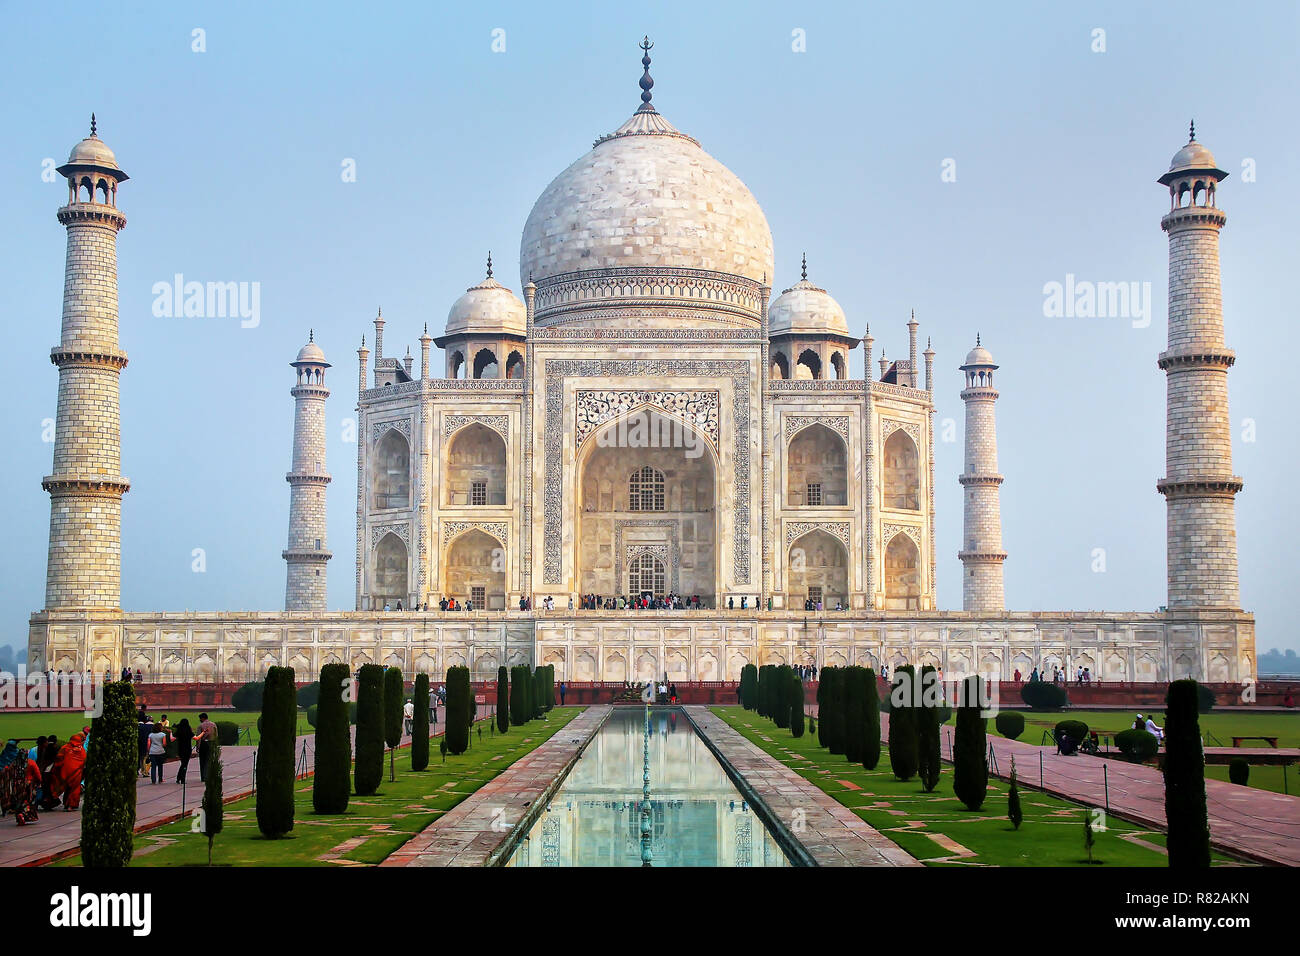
column 646, row 196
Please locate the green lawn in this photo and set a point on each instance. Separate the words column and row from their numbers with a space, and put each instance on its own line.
column 1263, row 777
column 373, row 826
column 64, row 725
column 1223, row 725
column 1050, row 835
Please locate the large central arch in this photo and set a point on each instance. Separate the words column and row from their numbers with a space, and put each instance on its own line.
column 646, row 481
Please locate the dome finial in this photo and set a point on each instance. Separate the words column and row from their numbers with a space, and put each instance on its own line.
column 977, row 340
column 805, row 267
column 92, row 124
column 311, row 335
column 1191, row 132
column 489, row 275
column 646, row 82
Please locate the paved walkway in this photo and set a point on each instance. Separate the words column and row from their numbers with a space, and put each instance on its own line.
column 57, row 833
column 830, row 833
column 477, row 831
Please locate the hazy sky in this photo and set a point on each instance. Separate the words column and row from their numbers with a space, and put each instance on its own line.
column 236, row 157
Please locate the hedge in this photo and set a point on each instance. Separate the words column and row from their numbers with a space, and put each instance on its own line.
column 370, row 730
column 108, row 808
column 228, row 732
column 1010, row 723
column 331, row 783
column 313, row 712
column 781, row 695
column 249, row 696
column 518, row 698
column 1076, row 730
column 1043, row 695
column 1139, row 746
column 1188, row 839
column 420, row 724
column 1239, row 771
column 855, row 719
column 275, row 754
column 1204, row 699
column 822, row 707
column 309, row 694
column 796, row 705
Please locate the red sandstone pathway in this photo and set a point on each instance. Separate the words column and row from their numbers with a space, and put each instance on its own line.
column 58, row 832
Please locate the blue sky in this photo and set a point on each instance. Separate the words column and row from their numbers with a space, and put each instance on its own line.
column 235, row 156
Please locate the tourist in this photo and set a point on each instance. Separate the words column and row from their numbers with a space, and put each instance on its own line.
column 126, row 674
column 1153, row 730
column 207, row 735
column 158, row 740
column 67, row 771
column 1033, row 676
column 35, row 752
column 563, row 689
column 408, row 715
column 399, row 604
column 45, row 763
column 184, row 747
column 731, row 603
column 143, row 728
column 19, row 781
column 139, row 675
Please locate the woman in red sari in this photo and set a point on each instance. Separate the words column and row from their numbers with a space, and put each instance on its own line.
column 67, row 771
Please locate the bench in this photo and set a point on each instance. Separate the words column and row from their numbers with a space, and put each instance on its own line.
column 1271, row 741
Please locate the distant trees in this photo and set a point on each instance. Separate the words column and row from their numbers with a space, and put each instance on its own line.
column 275, row 753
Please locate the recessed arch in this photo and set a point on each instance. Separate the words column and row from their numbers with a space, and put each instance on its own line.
column 780, row 366
column 390, row 472
column 817, row 570
column 475, row 569
column 837, row 364
column 456, row 364
column 476, row 468
column 515, row 365
column 902, row 574
column 389, row 578
column 817, row 470
column 646, row 574
column 901, row 485
column 645, row 489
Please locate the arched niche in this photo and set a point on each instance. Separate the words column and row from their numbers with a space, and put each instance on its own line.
column 817, row 471
column 476, row 468
column 390, row 472
column 475, row 568
column 902, row 574
column 818, row 568
column 901, row 468
column 389, row 578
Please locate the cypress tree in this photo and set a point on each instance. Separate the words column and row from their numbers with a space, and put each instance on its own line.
column 927, row 731
column 870, row 719
column 781, row 695
column 1185, row 811
column 970, row 761
column 837, row 730
column 854, row 718
column 749, row 678
column 275, row 753
column 458, row 694
column 420, row 725
column 108, row 809
column 517, row 715
column 796, row 705
column 212, row 810
column 822, row 740
column 331, row 783
column 394, row 690
column 760, row 696
column 370, row 730
column 902, row 724
column 503, row 699
column 539, row 691
column 1014, row 813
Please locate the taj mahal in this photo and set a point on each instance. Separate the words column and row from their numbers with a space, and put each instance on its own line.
column 651, row 416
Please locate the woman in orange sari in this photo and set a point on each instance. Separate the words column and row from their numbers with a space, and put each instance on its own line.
column 68, row 768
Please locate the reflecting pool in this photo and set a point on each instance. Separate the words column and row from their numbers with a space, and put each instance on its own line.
column 699, row 818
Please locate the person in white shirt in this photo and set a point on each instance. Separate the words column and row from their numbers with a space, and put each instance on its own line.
column 1153, row 730
column 408, row 715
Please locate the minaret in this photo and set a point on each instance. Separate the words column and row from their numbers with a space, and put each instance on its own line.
column 307, row 551
column 363, row 354
column 982, row 554
column 913, row 373
column 84, row 568
column 1199, row 487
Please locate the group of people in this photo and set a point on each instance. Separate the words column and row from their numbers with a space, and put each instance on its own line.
column 641, row 602
column 42, row 777
column 154, row 736
column 1082, row 676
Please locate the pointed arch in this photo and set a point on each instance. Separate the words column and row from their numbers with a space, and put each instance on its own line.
column 901, row 473
column 389, row 572
column 817, row 469
column 486, row 365
column 475, row 569
column 818, row 570
column 476, row 467
column 390, row 471
column 780, row 366
column 809, row 365
column 902, row 574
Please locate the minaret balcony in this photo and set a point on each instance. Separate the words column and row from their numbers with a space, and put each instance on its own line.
column 1178, row 359
column 1206, row 486
column 92, row 212
column 62, row 356
column 1193, row 217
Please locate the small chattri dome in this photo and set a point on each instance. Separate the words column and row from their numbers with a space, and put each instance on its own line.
column 1192, row 158
column 488, row 307
column 310, row 354
column 92, row 152
column 805, row 308
column 979, row 355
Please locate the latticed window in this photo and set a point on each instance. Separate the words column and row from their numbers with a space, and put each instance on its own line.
column 646, row 490
column 478, row 493
column 646, row 574
column 479, row 596
column 815, row 594
column 814, row 497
